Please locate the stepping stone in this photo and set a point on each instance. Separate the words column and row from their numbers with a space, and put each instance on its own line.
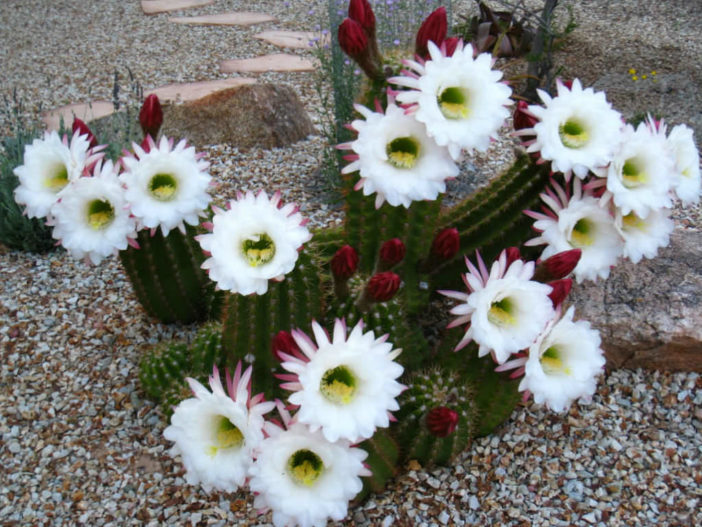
column 196, row 90
column 275, row 62
column 240, row 18
column 152, row 7
column 85, row 111
column 290, row 39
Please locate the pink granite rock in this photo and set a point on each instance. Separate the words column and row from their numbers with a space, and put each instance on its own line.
column 85, row 111
column 239, row 18
column 274, row 62
column 291, row 39
column 152, row 7
column 196, row 90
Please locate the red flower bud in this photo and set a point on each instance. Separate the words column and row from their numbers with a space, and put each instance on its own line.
column 284, row 341
column 82, row 129
column 451, row 44
column 557, row 266
column 559, row 291
column 345, row 262
column 383, row 286
column 513, row 255
column 522, row 118
column 361, row 11
column 352, row 39
column 568, row 84
column 446, row 243
column 392, row 252
column 432, row 29
column 151, row 116
column 442, row 421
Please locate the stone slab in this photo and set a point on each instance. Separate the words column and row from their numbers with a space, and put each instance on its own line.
column 153, row 7
column 192, row 91
column 274, row 62
column 239, row 18
column 289, row 39
column 85, row 111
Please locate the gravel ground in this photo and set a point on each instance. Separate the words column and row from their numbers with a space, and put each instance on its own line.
column 80, row 445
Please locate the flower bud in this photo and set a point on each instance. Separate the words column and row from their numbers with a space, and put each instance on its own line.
column 432, row 29
column 284, row 341
column 513, row 255
column 361, row 11
column 559, row 291
column 344, row 262
column 442, row 421
column 446, row 244
column 557, row 266
column 383, row 286
column 352, row 39
column 82, row 129
column 151, row 116
column 391, row 253
column 451, row 44
column 522, row 118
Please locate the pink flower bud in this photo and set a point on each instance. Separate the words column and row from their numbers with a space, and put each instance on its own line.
column 559, row 291
column 442, row 421
column 446, row 244
column 151, row 116
column 352, row 39
column 392, row 252
column 383, row 286
column 522, row 118
column 362, row 12
column 284, row 341
column 344, row 263
column 557, row 266
column 432, row 29
column 82, row 129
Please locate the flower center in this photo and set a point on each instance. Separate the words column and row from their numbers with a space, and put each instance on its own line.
column 501, row 313
column 552, row 363
column 453, row 103
column 258, row 249
column 100, row 214
column 226, row 435
column 582, row 233
column 305, row 467
column 163, row 187
column 632, row 222
column 57, row 178
column 403, row 152
column 573, row 134
column 338, row 385
column 632, row 174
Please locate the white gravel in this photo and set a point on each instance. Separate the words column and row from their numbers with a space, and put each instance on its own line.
column 79, row 444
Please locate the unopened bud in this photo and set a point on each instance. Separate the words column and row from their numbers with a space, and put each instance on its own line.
column 383, row 286
column 391, row 253
column 442, row 421
column 560, row 290
column 522, row 118
column 513, row 255
column 151, row 116
column 451, row 44
column 446, row 244
column 83, row 129
column 284, row 341
column 432, row 29
column 352, row 39
column 557, row 266
column 362, row 12
column 344, row 262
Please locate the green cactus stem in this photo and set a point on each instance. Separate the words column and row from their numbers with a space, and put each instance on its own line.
column 382, row 460
column 167, row 278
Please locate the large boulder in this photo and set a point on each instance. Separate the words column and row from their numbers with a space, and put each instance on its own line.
column 254, row 115
column 650, row 314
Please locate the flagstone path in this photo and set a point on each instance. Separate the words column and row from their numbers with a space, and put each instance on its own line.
column 182, row 92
